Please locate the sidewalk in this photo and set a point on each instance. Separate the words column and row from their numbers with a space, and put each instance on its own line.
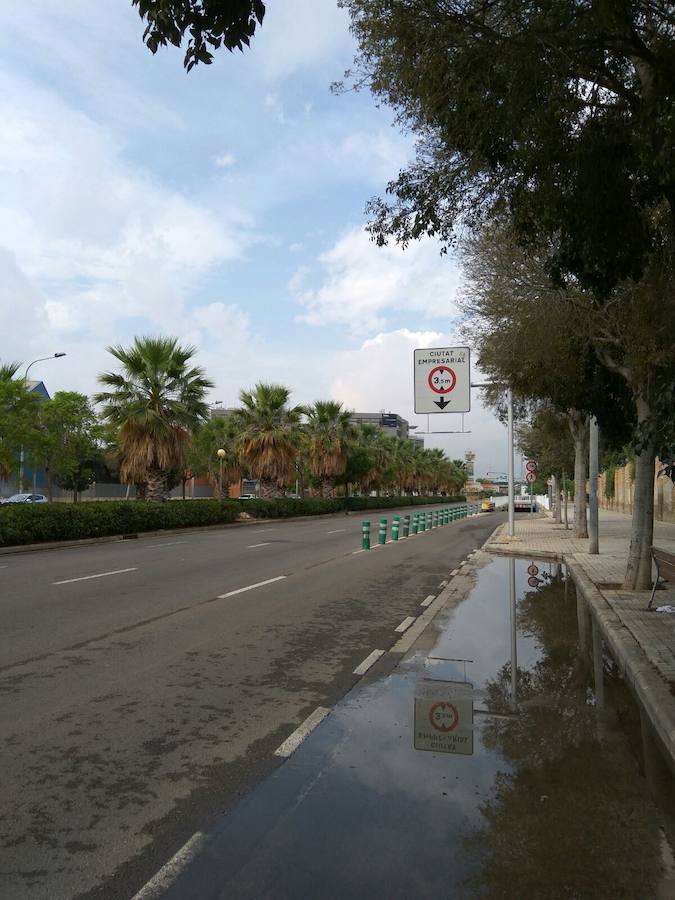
column 642, row 643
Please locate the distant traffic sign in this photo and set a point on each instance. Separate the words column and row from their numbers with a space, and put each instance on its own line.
column 532, row 569
column 531, row 465
column 442, row 380
column 533, row 582
column 530, row 477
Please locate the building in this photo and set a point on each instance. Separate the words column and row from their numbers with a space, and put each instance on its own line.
column 391, row 424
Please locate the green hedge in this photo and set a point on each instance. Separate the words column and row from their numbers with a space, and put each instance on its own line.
column 24, row 524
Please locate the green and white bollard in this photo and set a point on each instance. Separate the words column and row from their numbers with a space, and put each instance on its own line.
column 423, row 521
column 416, row 522
column 395, row 525
column 446, row 516
column 406, row 526
column 365, row 535
column 382, row 536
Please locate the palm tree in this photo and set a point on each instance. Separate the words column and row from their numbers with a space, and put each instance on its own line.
column 8, row 370
column 381, row 449
column 155, row 404
column 327, row 433
column 269, row 436
column 219, row 433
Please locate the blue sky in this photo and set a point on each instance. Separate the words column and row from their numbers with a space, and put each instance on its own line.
column 224, row 206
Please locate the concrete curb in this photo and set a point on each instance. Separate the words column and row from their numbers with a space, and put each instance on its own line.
column 642, row 678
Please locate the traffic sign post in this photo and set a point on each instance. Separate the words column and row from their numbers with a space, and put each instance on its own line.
column 531, row 477
column 442, row 380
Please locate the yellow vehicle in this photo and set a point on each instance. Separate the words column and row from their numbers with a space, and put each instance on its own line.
column 487, row 506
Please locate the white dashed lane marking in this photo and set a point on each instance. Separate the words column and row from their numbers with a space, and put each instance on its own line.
column 99, row 575
column 369, row 661
column 293, row 741
column 251, row 587
column 405, row 624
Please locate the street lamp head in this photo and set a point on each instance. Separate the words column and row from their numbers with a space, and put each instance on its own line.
column 57, row 355
column 221, row 454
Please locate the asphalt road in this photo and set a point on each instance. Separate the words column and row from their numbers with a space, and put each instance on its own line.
column 146, row 684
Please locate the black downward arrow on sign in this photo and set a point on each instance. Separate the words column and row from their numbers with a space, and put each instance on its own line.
column 442, row 403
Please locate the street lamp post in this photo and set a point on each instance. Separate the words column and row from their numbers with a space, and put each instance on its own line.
column 25, row 380
column 221, row 456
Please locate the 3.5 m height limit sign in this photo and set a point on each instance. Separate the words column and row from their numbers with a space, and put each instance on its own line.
column 442, row 380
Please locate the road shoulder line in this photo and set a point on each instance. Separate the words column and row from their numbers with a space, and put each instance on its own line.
column 293, row 741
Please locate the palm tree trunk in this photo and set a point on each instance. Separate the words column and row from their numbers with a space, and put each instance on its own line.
column 156, row 485
column 268, row 489
column 327, row 488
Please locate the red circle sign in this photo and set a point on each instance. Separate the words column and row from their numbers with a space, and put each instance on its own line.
column 443, row 716
column 533, row 582
column 442, row 380
column 531, row 465
column 530, row 477
column 532, row 570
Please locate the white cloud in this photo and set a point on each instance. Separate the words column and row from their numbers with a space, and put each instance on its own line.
column 379, row 375
column 298, row 34
column 102, row 238
column 225, row 160
column 363, row 282
column 375, row 155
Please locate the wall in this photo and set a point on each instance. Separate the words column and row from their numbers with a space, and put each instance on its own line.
column 664, row 494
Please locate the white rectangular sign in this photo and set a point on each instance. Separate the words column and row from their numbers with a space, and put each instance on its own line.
column 442, row 380
column 444, row 718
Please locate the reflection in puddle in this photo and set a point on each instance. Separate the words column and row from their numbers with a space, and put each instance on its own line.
column 545, row 798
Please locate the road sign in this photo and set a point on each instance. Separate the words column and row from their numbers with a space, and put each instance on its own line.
column 532, row 569
column 531, row 465
column 442, row 380
column 533, row 582
column 444, row 718
column 530, row 477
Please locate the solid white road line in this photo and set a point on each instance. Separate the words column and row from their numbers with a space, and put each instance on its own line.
column 100, row 575
column 337, row 531
column 169, row 544
column 405, row 624
column 253, row 546
column 250, row 587
column 293, row 741
column 368, row 662
column 160, row 883
column 428, row 600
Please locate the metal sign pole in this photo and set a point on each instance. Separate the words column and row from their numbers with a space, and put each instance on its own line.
column 512, row 512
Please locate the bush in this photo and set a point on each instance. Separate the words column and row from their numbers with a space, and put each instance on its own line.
column 24, row 524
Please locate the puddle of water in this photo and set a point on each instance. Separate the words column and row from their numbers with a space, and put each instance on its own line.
column 545, row 799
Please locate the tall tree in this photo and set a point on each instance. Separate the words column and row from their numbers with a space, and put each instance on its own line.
column 154, row 403
column 558, row 116
column 210, row 24
column 327, row 432
column 269, row 436
column 17, row 417
column 67, row 441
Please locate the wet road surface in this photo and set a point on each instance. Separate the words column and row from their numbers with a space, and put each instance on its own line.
column 550, row 801
column 136, row 706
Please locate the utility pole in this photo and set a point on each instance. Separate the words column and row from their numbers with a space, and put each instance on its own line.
column 22, row 456
column 593, row 465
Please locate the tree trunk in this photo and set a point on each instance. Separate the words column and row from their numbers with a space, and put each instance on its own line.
column 578, row 423
column 555, row 498
column 268, row 489
column 638, row 575
column 155, row 486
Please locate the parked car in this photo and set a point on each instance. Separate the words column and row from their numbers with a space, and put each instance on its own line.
column 25, row 498
column 247, row 497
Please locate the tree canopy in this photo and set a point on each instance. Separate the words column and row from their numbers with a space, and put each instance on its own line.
column 209, row 24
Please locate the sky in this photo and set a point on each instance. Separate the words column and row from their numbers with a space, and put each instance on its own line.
column 224, row 206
